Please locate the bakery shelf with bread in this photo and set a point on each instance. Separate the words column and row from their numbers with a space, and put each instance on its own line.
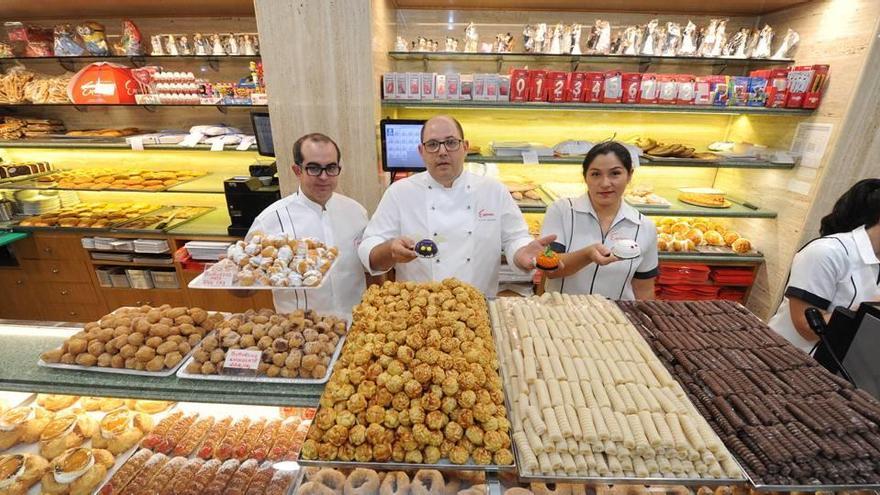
column 791, row 423
column 579, row 160
column 590, row 400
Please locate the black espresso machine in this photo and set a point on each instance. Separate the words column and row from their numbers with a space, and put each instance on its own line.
column 248, row 196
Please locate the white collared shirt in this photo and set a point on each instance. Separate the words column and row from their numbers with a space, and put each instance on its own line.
column 840, row 270
column 576, row 225
column 340, row 224
column 471, row 223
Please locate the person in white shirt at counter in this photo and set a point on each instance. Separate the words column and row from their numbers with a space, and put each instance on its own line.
column 317, row 212
column 588, row 227
column 470, row 219
column 839, row 269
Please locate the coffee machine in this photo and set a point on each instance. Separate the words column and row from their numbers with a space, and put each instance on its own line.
column 248, row 196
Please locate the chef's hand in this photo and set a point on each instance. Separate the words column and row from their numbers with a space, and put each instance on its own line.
column 526, row 256
column 402, row 250
column 600, row 254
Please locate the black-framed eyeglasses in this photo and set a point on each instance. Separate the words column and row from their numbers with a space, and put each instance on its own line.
column 315, row 170
column 451, row 144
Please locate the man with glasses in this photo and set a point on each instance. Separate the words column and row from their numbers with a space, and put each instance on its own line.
column 316, row 211
column 469, row 218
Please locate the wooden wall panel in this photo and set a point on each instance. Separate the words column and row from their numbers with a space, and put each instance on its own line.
column 318, row 62
column 839, row 33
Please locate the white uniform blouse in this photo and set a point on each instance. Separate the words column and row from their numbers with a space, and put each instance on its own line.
column 576, row 225
column 471, row 222
column 837, row 270
column 340, row 224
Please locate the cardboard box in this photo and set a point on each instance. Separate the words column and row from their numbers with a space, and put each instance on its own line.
column 648, row 89
column 427, row 85
column 686, row 89
column 817, row 87
column 595, row 83
column 757, row 91
column 440, row 87
column 630, row 91
column 537, row 85
column 800, row 80
column 612, row 89
column 453, row 86
column 413, row 85
column 667, row 89
column 702, row 91
column 556, row 81
column 519, row 85
column 576, row 87
column 389, row 85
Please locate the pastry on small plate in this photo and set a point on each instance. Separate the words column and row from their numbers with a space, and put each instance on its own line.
column 22, row 424
column 56, row 402
column 66, row 431
column 121, row 430
column 103, row 404
column 19, row 472
column 149, row 406
column 626, row 249
column 77, row 472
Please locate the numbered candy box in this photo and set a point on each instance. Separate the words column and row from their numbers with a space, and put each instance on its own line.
column 537, row 85
column 575, row 91
column 556, row 84
column 519, row 85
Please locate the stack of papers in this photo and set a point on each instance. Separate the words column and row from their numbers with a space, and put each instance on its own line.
column 206, row 250
column 517, row 148
column 152, row 246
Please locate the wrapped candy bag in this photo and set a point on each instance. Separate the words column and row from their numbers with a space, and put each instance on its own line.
column 761, row 42
column 688, row 46
column 92, row 34
column 67, row 43
column 648, row 44
column 788, row 43
column 672, row 39
column 132, row 45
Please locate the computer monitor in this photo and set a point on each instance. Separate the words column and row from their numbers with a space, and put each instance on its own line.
column 400, row 145
column 861, row 358
column 263, row 133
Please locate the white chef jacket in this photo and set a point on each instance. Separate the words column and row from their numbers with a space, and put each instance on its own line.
column 576, row 225
column 471, row 223
column 837, row 270
column 340, row 224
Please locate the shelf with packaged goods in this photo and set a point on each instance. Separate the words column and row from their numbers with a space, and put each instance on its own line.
column 102, row 144
column 594, row 107
column 130, row 264
column 131, row 105
column 585, row 58
column 22, row 345
column 711, row 258
column 679, row 209
column 749, row 164
column 122, row 58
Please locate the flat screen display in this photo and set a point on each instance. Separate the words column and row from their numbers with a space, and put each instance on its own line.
column 400, row 145
column 263, row 132
column 861, row 359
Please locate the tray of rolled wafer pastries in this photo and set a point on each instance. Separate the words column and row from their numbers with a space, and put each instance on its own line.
column 793, row 425
column 317, row 480
column 590, row 402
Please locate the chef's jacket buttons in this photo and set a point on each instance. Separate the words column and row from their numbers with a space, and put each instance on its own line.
column 432, row 208
column 435, row 234
column 438, row 260
column 469, row 207
column 468, row 260
column 470, row 232
column 430, row 187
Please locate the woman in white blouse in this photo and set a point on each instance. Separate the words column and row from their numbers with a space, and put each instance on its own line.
column 589, row 226
column 839, row 269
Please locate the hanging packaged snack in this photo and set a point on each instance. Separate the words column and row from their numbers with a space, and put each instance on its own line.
column 612, row 91
column 92, row 34
column 67, row 42
column 631, row 82
column 29, row 40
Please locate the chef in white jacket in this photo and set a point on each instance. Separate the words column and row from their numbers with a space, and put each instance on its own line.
column 316, row 211
column 470, row 218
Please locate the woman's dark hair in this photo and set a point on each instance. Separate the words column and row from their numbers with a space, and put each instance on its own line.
column 606, row 147
column 858, row 206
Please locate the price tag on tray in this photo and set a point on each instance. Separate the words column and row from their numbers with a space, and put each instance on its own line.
column 242, row 362
column 220, row 274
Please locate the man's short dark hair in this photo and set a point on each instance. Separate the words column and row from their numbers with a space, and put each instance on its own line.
column 454, row 121
column 315, row 137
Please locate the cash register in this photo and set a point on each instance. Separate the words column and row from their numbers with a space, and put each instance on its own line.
column 248, row 196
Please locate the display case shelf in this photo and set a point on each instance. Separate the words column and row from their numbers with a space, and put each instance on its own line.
column 750, row 164
column 130, row 105
column 130, row 264
column 21, row 346
column 679, row 209
column 711, row 258
column 207, row 184
column 593, row 107
column 122, row 58
column 592, row 59
column 104, row 144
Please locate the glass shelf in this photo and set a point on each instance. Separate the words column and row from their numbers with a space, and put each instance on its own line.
column 21, row 105
column 21, row 346
column 645, row 163
column 595, row 107
column 101, row 144
column 711, row 258
column 679, row 209
column 130, row 57
column 603, row 59
column 206, row 184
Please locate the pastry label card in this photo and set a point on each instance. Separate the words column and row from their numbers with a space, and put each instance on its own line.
column 220, row 274
column 241, row 361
